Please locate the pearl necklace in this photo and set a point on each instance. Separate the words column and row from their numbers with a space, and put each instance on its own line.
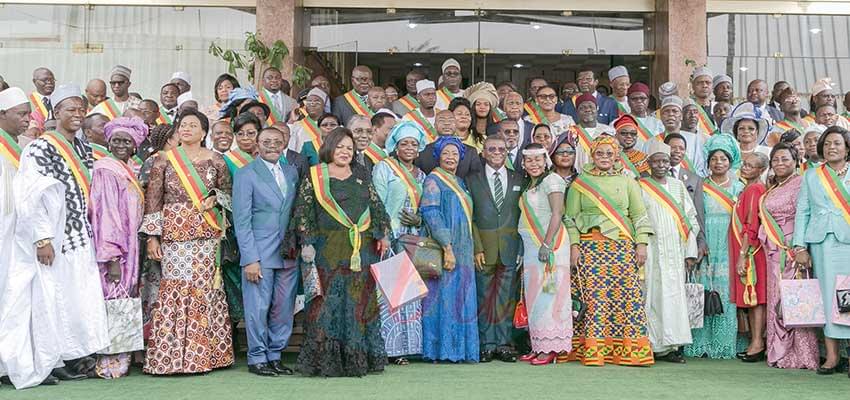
column 719, row 183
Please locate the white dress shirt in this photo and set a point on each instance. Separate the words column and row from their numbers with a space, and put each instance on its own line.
column 491, row 180
column 277, row 173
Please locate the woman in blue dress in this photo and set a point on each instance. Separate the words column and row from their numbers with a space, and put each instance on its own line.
column 450, row 319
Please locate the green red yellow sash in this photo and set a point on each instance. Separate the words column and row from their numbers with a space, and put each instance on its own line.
column 706, row 124
column 498, row 115
column 135, row 162
column 462, row 196
column 375, row 153
column 529, row 221
column 835, row 190
column 312, row 129
column 322, row 188
column 194, row 186
column 274, row 115
column 108, row 108
column 786, row 125
column 409, row 102
column 357, row 104
column 35, row 101
column 774, row 232
column 164, row 118
column 807, row 165
column 583, row 137
column 81, row 173
column 445, row 95
column 131, row 176
column 687, row 164
column 809, row 118
column 417, row 117
column 535, row 113
column 605, row 204
column 720, row 195
column 10, row 149
column 628, row 164
column 644, row 132
column 413, row 187
column 238, row 158
column 659, row 193
column 99, row 152
column 621, row 109
column 749, row 279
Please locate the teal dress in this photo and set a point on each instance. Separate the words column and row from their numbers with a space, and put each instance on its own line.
column 718, row 338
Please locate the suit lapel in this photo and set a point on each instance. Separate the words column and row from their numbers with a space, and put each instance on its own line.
column 267, row 177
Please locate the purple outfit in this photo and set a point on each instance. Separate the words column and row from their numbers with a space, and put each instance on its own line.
column 786, row 348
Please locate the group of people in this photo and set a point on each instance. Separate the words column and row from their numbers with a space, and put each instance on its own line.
column 569, row 228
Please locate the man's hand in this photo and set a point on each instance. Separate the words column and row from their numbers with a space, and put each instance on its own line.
column 253, row 272
column 479, row 261
column 45, row 255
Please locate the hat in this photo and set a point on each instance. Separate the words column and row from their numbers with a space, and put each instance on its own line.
column 617, row 72
column 318, row 93
column 120, row 70
column 821, row 85
column 638, row 87
column 404, row 130
column 444, row 141
column 657, row 146
column 450, row 63
column 726, row 143
column 63, row 92
column 671, row 101
column 814, row 128
column 11, row 97
column 688, row 102
column 623, row 121
column 781, row 96
column 745, row 110
column 256, row 103
column 720, row 79
column 184, row 98
column 702, row 71
column 482, row 90
column 183, row 76
column 135, row 127
column 668, row 89
column 585, row 97
column 237, row 95
column 424, row 84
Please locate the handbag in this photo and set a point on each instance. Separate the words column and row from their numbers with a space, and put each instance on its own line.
column 695, row 295
column 841, row 306
column 521, row 311
column 124, row 324
column 310, row 281
column 802, row 304
column 426, row 254
column 579, row 306
column 713, row 302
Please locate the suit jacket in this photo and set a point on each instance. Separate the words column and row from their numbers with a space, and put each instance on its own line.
column 817, row 215
column 261, row 212
column 494, row 231
column 342, row 110
column 606, row 106
column 693, row 183
column 299, row 162
column 470, row 164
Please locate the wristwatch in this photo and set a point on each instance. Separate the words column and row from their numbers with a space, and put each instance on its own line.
column 43, row 242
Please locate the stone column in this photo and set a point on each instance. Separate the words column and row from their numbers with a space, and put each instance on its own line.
column 680, row 35
column 282, row 20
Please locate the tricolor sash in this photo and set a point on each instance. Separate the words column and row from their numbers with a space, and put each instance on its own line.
column 659, row 193
column 164, row 118
column 809, row 118
column 79, row 169
column 312, row 129
column 99, row 152
column 629, row 164
column 529, row 221
column 774, row 232
column 687, row 164
column 275, row 114
column 445, row 95
column 108, row 108
column 409, row 102
column 706, row 124
column 10, row 149
column 583, row 137
column 719, row 194
column 498, row 115
column 413, row 187
column 193, row 185
column 417, row 117
column 605, row 204
column 462, row 196
column 807, row 165
column 786, row 125
column 835, row 190
column 621, row 109
column 357, row 104
column 749, row 279
column 644, row 132
column 322, row 188
column 35, row 101
column 375, row 153
column 535, row 113
column 131, row 176
column 509, row 162
column 238, row 158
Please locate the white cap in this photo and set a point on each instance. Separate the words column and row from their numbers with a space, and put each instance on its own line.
column 702, row 71
column 672, row 101
column 184, row 98
column 183, row 76
column 63, row 92
column 425, row 84
column 450, row 63
column 657, row 146
column 617, row 72
column 11, row 97
column 318, row 93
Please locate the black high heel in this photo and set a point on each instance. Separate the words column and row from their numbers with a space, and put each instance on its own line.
column 754, row 358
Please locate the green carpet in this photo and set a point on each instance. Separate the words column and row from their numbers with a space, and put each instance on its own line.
column 699, row 379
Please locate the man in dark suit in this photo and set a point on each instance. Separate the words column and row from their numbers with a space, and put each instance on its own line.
column 444, row 123
column 495, row 193
column 361, row 82
column 263, row 194
column 291, row 157
column 606, row 106
column 678, row 149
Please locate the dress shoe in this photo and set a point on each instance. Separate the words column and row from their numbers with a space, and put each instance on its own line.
column 505, row 355
column 261, row 369
column 64, row 375
column 528, row 357
column 673, row 357
column 825, row 371
column 485, row 356
column 50, row 380
column 279, row 368
column 547, row 359
column 754, row 358
column 741, row 354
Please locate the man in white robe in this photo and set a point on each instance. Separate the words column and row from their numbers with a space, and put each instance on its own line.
column 53, row 293
column 669, row 254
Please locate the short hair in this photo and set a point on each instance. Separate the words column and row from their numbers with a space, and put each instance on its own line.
column 785, row 146
column 765, row 161
column 711, row 153
column 586, row 68
column 834, row 129
column 379, row 119
column 326, row 151
column 326, row 116
column 89, row 120
column 268, row 129
column 191, row 112
column 150, row 102
column 460, row 101
column 357, row 117
column 534, row 146
column 246, row 118
column 221, row 78
column 507, row 121
column 508, row 84
column 391, row 85
column 538, row 126
column 738, row 123
column 497, row 136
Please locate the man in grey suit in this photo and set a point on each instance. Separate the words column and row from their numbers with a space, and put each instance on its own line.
column 495, row 192
column 678, row 149
column 361, row 82
column 263, row 194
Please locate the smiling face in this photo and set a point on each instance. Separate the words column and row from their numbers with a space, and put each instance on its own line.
column 70, row 114
column 449, row 158
column 718, row 164
column 190, row 131
column 677, row 150
column 361, row 80
column 272, row 80
column 495, row 151
column 452, row 78
column 752, row 167
column 564, row 156
column 834, row 148
column 586, row 81
column 445, row 123
column 587, row 113
column 543, row 136
column 407, row 149
column 122, row 145
column 271, row 144
column 463, row 118
column 482, row 108
column 783, row 164
column 534, row 165
column 627, row 137
column 603, row 157
column 547, row 98
column 222, row 137
column 246, row 138
column 222, row 92
column 344, row 152
column 747, row 131
column 757, row 92
column 362, row 131
column 620, row 86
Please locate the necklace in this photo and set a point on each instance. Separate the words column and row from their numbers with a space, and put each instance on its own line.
column 724, row 183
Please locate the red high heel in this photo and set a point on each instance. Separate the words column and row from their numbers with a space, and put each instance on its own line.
column 528, row 357
column 549, row 359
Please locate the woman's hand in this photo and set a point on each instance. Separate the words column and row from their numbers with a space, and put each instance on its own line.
column 448, row 258
column 308, row 253
column 575, row 253
column 208, row 203
column 382, row 246
column 741, row 265
column 802, row 258
column 543, row 254
column 113, row 271
column 640, row 254
column 154, row 249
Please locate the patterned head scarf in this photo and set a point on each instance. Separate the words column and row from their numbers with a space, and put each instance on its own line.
column 444, row 141
column 604, row 139
column 564, row 138
column 237, row 95
column 135, row 127
column 726, row 143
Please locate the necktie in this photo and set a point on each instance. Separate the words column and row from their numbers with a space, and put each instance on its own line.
column 673, row 171
column 47, row 106
column 276, row 101
column 499, row 190
column 278, row 177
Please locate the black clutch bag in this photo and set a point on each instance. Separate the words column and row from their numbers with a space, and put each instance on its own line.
column 842, row 299
column 425, row 253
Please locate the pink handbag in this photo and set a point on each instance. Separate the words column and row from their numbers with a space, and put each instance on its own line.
column 842, row 284
column 398, row 280
column 802, row 304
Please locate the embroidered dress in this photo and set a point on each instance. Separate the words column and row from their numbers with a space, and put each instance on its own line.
column 190, row 330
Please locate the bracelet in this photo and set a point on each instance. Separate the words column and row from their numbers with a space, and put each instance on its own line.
column 43, row 242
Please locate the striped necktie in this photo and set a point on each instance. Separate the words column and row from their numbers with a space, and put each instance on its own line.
column 499, row 190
